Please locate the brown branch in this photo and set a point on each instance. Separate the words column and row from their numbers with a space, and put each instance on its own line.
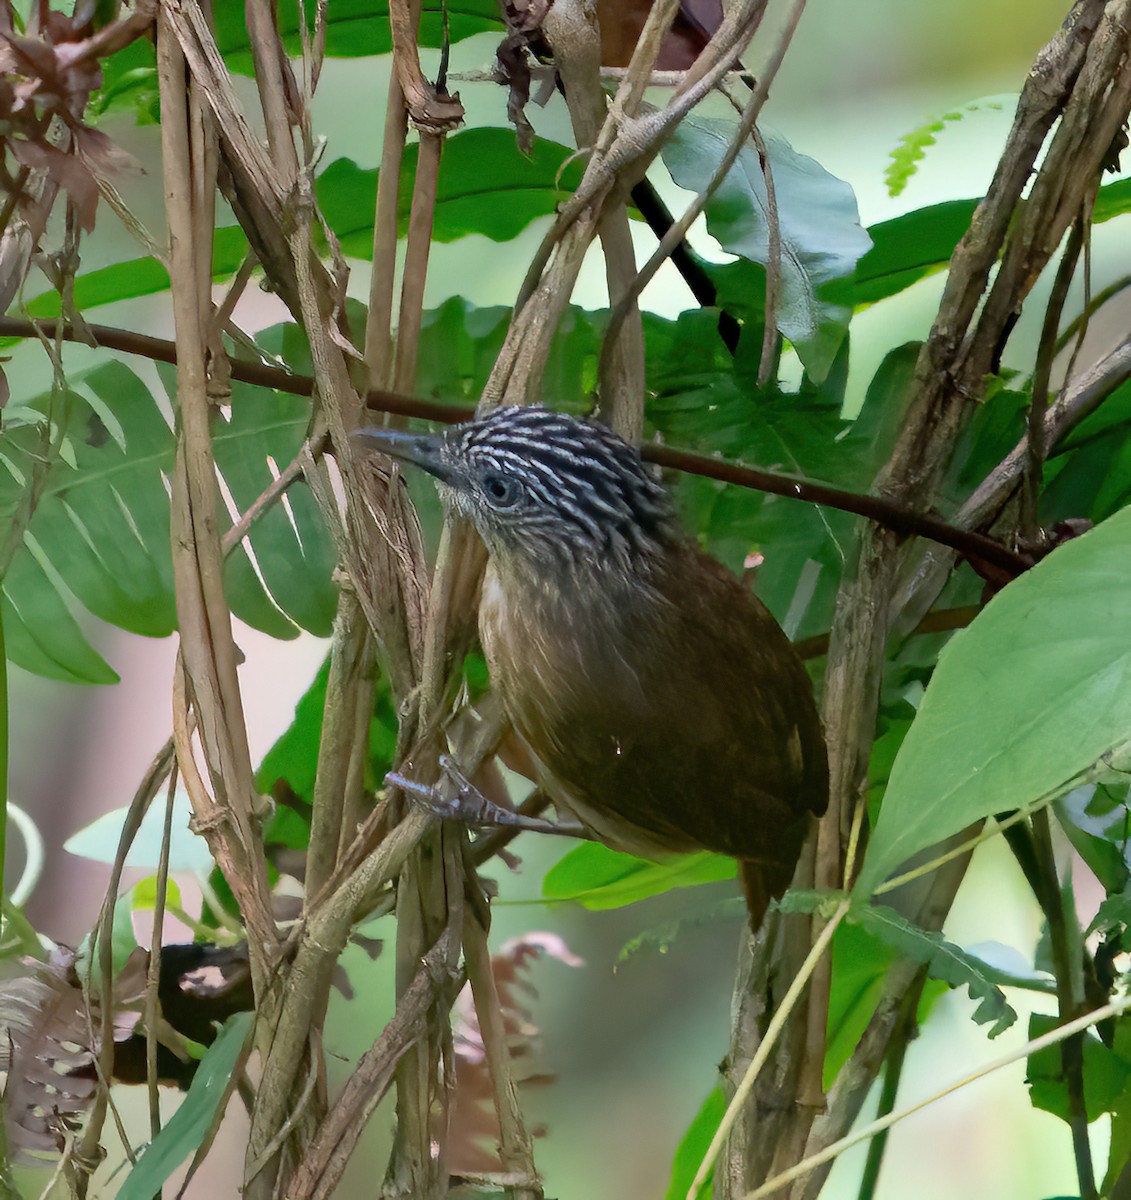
column 882, row 511
column 516, row 1150
column 325, row 1160
column 103, row 938
column 379, row 316
column 1039, row 401
column 1080, row 75
column 430, row 109
column 417, row 247
column 207, row 649
column 576, row 42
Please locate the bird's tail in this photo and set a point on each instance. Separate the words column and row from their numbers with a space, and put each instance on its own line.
column 762, row 882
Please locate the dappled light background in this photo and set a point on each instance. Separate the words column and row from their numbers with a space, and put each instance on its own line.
column 633, row 1044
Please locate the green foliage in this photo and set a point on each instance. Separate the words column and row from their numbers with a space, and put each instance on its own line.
column 188, row 1126
column 129, row 83
column 907, row 248
column 188, row 851
column 944, row 961
column 1095, row 820
column 693, row 1146
column 1107, row 1071
column 819, row 225
column 598, row 878
column 100, row 533
column 1034, row 693
column 139, row 277
column 294, row 756
column 354, row 28
column 487, row 186
column 905, row 158
column 661, row 938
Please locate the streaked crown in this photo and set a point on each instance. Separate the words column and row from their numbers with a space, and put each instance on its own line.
column 553, row 488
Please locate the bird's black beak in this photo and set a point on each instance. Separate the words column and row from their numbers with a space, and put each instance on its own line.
column 421, row 449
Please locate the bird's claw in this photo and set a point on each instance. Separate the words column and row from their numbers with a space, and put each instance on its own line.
column 456, row 798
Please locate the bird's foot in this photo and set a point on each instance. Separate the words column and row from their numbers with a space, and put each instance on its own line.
column 456, row 798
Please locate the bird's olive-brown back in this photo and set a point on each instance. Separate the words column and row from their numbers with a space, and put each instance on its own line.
column 670, row 713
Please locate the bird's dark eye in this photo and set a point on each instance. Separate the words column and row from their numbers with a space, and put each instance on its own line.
column 501, row 490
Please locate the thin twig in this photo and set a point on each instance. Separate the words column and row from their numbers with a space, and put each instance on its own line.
column 767, row 1044
column 678, row 231
column 325, row 1160
column 1116, row 1008
column 1037, row 448
column 153, row 973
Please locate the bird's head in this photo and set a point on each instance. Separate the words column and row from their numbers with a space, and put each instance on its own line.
column 541, row 487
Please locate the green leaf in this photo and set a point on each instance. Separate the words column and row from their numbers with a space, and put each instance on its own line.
column 123, row 943
column 599, row 878
column 661, row 938
column 129, row 81
column 100, row 533
column 188, row 851
column 1098, row 833
column 1114, row 913
column 486, row 186
column 905, row 158
column 143, row 895
column 188, row 1126
column 944, row 961
column 1120, row 1151
column 294, row 757
column 693, row 1146
column 908, row 248
column 292, row 548
column 355, row 28
column 1106, row 1072
column 821, row 235
column 18, row 937
column 860, row 966
column 1112, row 200
column 1035, row 692
column 140, row 277
column 40, row 633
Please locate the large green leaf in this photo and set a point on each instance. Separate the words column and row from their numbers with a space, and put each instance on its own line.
column 486, row 186
column 821, row 235
column 40, row 632
column 1107, row 1071
column 921, row 242
column 693, row 1146
column 700, row 403
column 1033, row 694
column 100, row 533
column 355, row 28
column 294, row 756
column 907, row 248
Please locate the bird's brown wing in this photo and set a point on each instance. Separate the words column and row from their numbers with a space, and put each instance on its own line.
column 710, row 739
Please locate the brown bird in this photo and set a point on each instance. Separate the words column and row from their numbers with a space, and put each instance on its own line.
column 665, row 706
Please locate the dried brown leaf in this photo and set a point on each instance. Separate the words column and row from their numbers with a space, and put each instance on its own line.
column 46, row 1052
column 473, row 1124
column 68, row 171
column 523, row 42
